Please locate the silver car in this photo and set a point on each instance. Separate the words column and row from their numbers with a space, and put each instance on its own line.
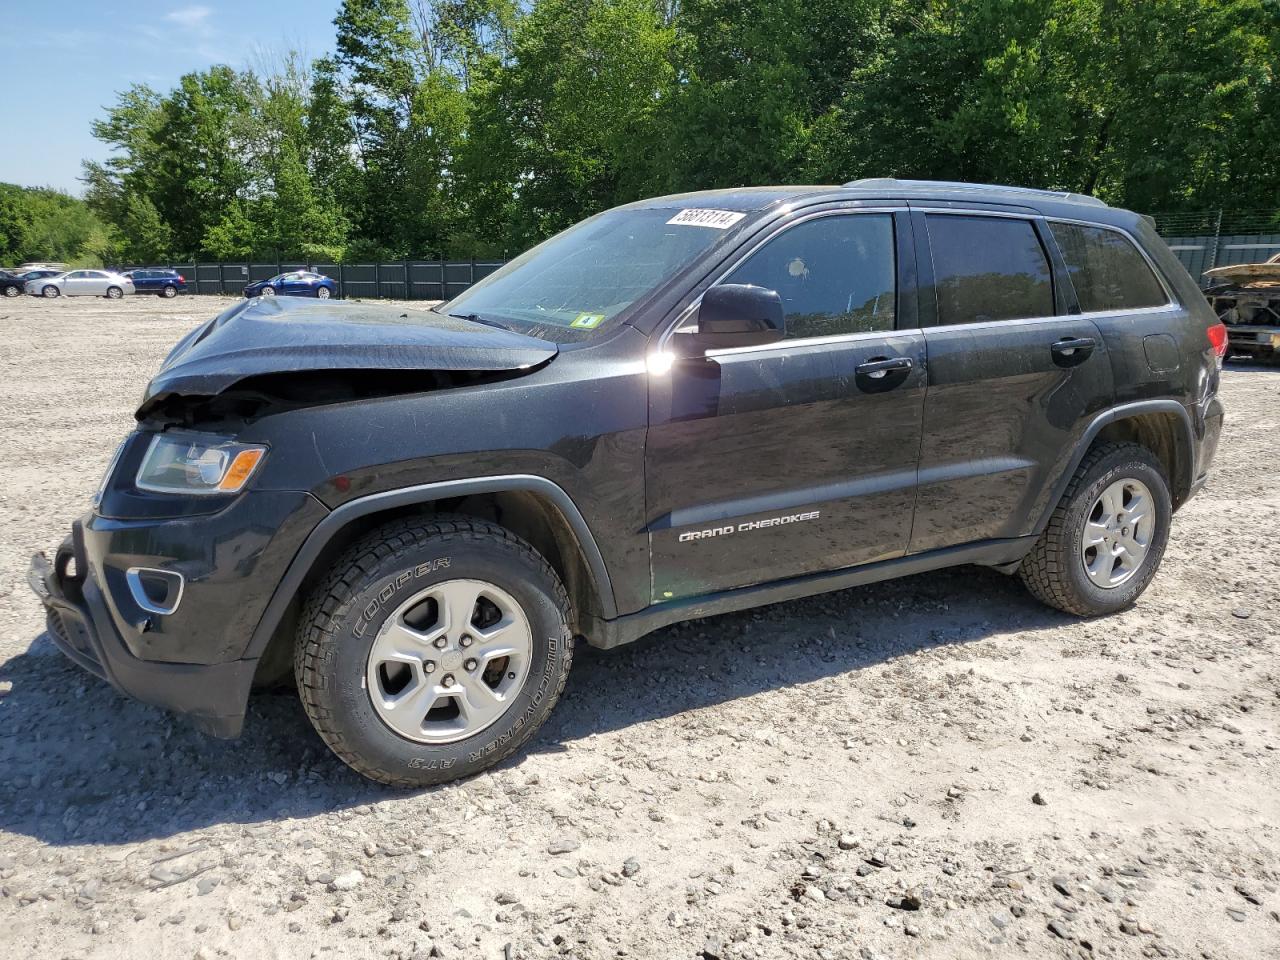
column 82, row 283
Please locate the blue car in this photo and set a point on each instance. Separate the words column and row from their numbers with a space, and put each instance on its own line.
column 163, row 283
column 299, row 283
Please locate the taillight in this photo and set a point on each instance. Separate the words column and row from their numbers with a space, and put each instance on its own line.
column 181, row 278
column 1218, row 339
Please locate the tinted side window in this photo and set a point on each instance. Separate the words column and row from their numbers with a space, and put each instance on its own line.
column 1106, row 269
column 835, row 275
column 988, row 268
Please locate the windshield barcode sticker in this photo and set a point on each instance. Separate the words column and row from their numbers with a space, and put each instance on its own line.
column 716, row 219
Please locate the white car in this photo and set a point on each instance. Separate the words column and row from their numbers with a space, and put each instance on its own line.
column 82, row 283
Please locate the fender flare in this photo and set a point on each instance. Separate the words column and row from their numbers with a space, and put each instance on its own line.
column 424, row 493
column 1109, row 416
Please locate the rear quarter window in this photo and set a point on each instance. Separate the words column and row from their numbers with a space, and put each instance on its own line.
column 1106, row 269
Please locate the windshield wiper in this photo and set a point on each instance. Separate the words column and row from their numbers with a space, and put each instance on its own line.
column 476, row 318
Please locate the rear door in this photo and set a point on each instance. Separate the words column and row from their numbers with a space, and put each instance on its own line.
column 94, row 283
column 1012, row 375
column 793, row 458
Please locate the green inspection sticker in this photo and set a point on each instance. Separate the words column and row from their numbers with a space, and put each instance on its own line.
column 588, row 321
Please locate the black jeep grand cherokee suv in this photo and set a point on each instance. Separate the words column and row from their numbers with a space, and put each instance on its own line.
column 679, row 407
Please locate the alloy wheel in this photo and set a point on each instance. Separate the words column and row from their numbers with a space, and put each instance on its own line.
column 1118, row 533
column 449, row 661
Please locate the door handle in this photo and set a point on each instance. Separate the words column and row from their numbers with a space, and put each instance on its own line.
column 879, row 368
column 1069, row 351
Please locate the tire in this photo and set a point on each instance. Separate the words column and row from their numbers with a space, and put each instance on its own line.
column 380, row 583
column 50, row 291
column 114, row 293
column 169, row 291
column 266, row 292
column 322, row 293
column 1056, row 570
column 12, row 291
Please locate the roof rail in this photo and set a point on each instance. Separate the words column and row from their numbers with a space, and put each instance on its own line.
column 884, row 183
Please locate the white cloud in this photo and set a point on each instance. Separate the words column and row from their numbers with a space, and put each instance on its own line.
column 192, row 18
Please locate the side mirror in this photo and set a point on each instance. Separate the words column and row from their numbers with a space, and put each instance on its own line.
column 739, row 315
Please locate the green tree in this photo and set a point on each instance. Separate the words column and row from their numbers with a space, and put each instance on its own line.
column 1149, row 103
column 568, row 127
column 234, row 237
column 44, row 224
column 457, row 127
column 143, row 236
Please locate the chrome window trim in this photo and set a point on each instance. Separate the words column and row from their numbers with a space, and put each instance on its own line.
column 1170, row 298
column 814, row 341
column 1057, row 318
column 690, row 307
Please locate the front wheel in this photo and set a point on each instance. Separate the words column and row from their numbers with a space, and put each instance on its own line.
column 433, row 650
column 267, row 292
column 12, row 291
column 322, row 293
column 1105, row 540
column 50, row 291
column 114, row 293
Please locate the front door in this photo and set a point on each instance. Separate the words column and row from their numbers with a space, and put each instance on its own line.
column 76, row 283
column 797, row 457
column 1012, row 378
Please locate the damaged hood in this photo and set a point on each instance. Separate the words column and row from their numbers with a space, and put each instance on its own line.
column 281, row 335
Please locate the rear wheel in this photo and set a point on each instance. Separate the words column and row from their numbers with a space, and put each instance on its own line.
column 50, row 291
column 169, row 291
column 322, row 293
column 114, row 293
column 433, row 650
column 12, row 290
column 1105, row 540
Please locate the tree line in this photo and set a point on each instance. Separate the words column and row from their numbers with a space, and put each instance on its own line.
column 462, row 128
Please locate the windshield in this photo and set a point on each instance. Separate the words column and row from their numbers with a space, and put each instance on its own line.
column 575, row 285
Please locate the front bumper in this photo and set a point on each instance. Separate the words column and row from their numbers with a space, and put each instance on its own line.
column 213, row 695
column 188, row 653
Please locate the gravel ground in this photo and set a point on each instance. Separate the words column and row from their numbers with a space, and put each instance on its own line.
column 936, row 767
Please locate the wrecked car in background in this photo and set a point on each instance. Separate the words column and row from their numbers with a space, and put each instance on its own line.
column 1246, row 297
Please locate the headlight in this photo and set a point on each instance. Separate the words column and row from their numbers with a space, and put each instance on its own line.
column 197, row 463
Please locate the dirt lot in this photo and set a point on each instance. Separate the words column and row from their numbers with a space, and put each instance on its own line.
column 937, row 767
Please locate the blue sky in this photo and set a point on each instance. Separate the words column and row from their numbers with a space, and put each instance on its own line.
column 61, row 65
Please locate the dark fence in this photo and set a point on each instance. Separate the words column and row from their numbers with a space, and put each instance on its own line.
column 1202, row 253
column 1206, row 239
column 396, row 279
